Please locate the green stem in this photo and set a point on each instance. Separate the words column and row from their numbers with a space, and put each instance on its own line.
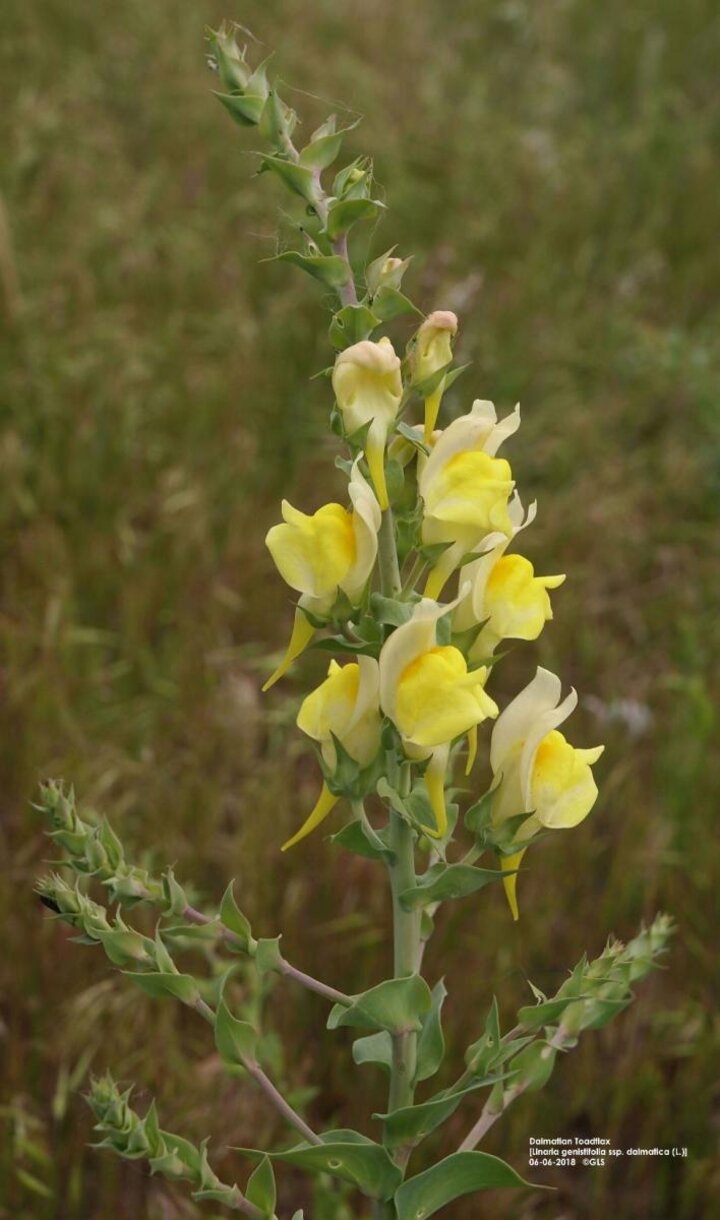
column 406, row 953
column 390, row 582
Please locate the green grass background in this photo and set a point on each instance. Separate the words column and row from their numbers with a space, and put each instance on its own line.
column 554, row 168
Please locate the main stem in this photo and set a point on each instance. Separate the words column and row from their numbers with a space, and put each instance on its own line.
column 406, row 924
column 406, row 952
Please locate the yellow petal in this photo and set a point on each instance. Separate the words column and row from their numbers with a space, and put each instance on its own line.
column 329, row 708
column 302, row 633
column 375, row 451
column 438, row 700
column 472, row 748
column 324, row 805
column 510, row 883
column 313, row 553
column 562, row 785
column 435, row 784
column 432, row 407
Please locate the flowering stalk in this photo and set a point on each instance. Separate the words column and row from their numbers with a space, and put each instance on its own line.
column 410, row 578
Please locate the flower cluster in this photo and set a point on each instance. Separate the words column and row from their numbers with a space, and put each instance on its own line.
column 426, row 668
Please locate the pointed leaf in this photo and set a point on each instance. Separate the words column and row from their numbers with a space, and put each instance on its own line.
column 360, row 837
column 431, row 1043
column 446, row 881
column 330, row 269
column 534, row 1016
column 299, row 178
column 389, row 303
column 396, row 1005
column 458, row 1175
column 344, row 213
column 179, row 986
column 235, row 1040
column 246, row 109
column 346, row 1155
column 375, row 1048
column 411, row 1124
column 351, row 324
column 268, row 957
column 261, row 1189
column 234, row 920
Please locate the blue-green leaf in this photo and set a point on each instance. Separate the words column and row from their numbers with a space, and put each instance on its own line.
column 330, row 269
column 346, row 1155
column 431, row 1043
column 235, row 1040
column 375, row 1048
column 234, row 920
column 444, row 881
column 396, row 1005
column 458, row 1175
column 261, row 1189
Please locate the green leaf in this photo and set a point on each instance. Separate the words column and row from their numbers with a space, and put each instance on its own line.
column 261, row 1189
column 458, row 1175
column 330, row 269
column 534, row 1016
column 446, row 881
column 351, row 324
column 154, row 983
column 235, row 1040
column 482, row 1053
column 375, row 1048
column 349, row 1156
column 338, row 643
column 431, row 1043
column 396, row 1005
column 387, row 793
column 267, row 955
column 411, row 1124
column 389, row 610
column 324, row 146
column 297, row 177
column 344, row 213
column 360, row 837
column 412, row 435
column 477, row 817
column 233, row 919
column 389, row 303
column 600, row 1012
column 245, row 108
column 277, row 120
column 534, row 1066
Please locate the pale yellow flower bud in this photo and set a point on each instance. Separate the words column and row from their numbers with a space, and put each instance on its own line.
column 431, row 352
column 368, row 389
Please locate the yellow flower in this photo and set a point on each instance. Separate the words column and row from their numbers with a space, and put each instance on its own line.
column 333, row 549
column 427, row 692
column 433, row 351
column 536, row 770
column 368, row 388
column 505, row 595
column 465, row 488
column 344, row 706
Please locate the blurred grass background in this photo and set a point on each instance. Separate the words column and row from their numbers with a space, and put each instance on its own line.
column 554, row 168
